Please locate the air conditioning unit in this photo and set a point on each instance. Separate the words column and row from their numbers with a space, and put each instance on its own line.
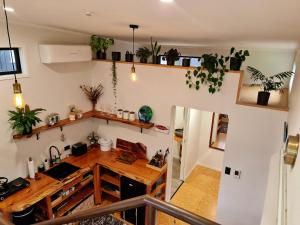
column 65, row 53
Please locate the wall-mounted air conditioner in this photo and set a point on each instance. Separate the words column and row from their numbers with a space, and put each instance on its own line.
column 65, row 53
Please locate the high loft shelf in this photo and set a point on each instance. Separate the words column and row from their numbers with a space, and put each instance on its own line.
column 86, row 115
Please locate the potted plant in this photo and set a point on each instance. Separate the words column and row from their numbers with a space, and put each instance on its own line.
column 93, row 93
column 155, row 52
column 128, row 56
column 23, row 119
column 268, row 83
column 237, row 58
column 171, row 56
column 116, row 56
column 100, row 45
column 143, row 53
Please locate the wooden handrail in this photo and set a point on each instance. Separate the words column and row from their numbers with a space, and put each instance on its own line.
column 152, row 203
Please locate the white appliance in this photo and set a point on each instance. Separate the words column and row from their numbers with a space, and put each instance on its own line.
column 65, row 53
column 105, row 144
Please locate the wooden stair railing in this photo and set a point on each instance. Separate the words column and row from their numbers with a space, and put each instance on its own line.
column 152, row 205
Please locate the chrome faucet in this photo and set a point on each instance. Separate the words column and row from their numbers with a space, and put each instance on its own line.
column 50, row 153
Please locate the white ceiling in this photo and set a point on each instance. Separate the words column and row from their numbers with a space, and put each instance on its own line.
column 192, row 22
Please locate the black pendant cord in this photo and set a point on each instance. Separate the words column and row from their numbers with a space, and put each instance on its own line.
column 9, row 41
column 133, row 46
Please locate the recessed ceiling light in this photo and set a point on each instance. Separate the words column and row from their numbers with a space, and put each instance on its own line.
column 9, row 9
column 167, row 1
column 89, row 13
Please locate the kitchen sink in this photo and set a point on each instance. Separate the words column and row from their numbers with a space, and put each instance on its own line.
column 61, row 171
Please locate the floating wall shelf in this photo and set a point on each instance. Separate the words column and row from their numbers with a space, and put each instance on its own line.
column 86, row 115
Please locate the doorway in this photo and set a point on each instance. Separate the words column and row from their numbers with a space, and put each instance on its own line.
column 199, row 153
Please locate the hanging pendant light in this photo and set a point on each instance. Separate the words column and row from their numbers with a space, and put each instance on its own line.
column 18, row 97
column 133, row 73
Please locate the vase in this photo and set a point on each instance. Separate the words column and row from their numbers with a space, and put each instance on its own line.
column 263, row 98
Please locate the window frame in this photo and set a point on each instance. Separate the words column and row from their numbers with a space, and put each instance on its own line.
column 18, row 69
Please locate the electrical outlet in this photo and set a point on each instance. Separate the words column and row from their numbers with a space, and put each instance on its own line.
column 237, row 174
column 227, row 170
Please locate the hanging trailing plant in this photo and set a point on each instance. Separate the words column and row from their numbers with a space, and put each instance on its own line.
column 211, row 73
column 114, row 82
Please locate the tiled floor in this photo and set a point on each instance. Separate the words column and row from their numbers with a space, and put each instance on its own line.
column 198, row 194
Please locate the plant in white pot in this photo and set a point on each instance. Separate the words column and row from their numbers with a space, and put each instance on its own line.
column 268, row 83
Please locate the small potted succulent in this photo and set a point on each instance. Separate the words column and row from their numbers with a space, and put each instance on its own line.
column 237, row 58
column 268, row 83
column 155, row 52
column 23, row 119
column 143, row 53
column 171, row 56
column 186, row 62
column 128, row 56
column 100, row 45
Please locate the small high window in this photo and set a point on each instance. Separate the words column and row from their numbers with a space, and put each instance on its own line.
column 10, row 61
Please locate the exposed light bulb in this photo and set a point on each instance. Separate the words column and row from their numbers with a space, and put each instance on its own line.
column 133, row 74
column 18, row 97
column 167, row 1
column 9, row 9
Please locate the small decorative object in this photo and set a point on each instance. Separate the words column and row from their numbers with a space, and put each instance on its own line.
column 171, row 56
column 79, row 114
column 116, row 56
column 158, row 161
column 268, row 83
column 41, row 168
column 145, row 114
column 162, row 129
column 291, row 150
column 238, row 58
column 212, row 73
column 105, row 144
column 186, row 62
column 132, row 116
column 72, row 116
column 46, row 164
column 143, row 53
column 52, row 119
column 93, row 138
column 23, row 119
column 125, row 115
column 128, row 56
column 155, row 52
column 93, row 93
column 31, row 169
column 120, row 113
column 99, row 45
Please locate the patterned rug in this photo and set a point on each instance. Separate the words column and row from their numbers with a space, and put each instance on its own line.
column 103, row 220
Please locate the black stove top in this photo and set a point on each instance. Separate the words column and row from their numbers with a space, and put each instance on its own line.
column 12, row 187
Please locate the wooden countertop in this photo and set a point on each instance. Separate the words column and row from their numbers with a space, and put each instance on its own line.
column 46, row 186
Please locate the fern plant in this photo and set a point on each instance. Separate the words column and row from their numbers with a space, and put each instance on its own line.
column 23, row 119
column 269, row 83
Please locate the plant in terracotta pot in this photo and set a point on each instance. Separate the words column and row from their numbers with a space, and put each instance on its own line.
column 237, row 58
column 23, row 119
column 155, row 52
column 93, row 93
column 100, row 45
column 143, row 53
column 268, row 83
column 171, row 56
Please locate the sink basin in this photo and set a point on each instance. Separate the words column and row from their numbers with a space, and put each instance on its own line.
column 61, row 171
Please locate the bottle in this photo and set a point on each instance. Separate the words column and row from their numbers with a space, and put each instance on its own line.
column 31, row 168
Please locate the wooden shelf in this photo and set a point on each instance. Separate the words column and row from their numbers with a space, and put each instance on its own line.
column 80, row 187
column 81, row 196
column 285, row 109
column 112, row 180
column 111, row 117
column 86, row 115
column 60, row 124
column 112, row 193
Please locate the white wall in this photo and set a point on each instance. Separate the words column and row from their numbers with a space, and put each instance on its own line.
column 178, row 124
column 253, row 136
column 294, row 174
column 53, row 87
column 207, row 156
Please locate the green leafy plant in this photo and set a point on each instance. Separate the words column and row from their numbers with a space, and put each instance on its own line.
column 237, row 58
column 211, row 73
column 22, row 119
column 171, row 56
column 155, row 51
column 269, row 83
column 114, row 82
column 143, row 53
column 100, row 44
